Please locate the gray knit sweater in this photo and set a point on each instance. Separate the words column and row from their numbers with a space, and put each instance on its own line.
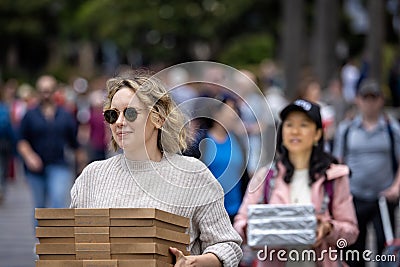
column 177, row 184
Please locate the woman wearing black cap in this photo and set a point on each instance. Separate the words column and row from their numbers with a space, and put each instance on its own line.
column 303, row 172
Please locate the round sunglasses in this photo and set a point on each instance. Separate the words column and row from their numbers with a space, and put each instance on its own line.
column 112, row 115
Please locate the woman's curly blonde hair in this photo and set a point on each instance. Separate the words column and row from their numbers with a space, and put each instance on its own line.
column 173, row 135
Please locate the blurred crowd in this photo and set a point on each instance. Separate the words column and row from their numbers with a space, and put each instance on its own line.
column 52, row 129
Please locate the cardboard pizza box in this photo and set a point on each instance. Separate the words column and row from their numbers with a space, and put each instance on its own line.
column 133, row 240
column 147, row 222
column 141, row 263
column 53, row 248
column 67, row 231
column 57, row 257
column 56, row 222
column 95, row 234
column 152, row 231
column 54, row 214
column 59, row 263
column 168, row 259
column 59, row 240
column 92, row 217
column 149, row 213
column 139, row 248
column 102, row 263
column 92, row 251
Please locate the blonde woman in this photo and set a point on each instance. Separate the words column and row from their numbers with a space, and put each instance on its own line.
column 150, row 173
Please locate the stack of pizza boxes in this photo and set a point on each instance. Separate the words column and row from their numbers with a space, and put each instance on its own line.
column 114, row 237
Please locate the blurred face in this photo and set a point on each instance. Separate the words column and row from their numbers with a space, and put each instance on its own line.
column 299, row 133
column 313, row 92
column 139, row 135
column 46, row 87
column 227, row 115
column 370, row 105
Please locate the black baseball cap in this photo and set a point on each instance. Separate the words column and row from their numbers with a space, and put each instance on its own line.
column 311, row 109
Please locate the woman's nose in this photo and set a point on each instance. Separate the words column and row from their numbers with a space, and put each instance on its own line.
column 295, row 130
column 120, row 119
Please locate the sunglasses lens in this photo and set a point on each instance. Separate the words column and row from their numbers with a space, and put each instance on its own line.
column 130, row 114
column 111, row 116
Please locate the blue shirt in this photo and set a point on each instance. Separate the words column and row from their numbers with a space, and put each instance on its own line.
column 225, row 161
column 48, row 138
column 6, row 128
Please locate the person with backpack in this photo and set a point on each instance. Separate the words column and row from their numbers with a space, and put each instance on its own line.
column 304, row 174
column 370, row 145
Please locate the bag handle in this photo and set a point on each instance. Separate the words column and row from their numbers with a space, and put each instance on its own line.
column 387, row 225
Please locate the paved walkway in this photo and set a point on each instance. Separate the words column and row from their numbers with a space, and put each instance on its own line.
column 16, row 227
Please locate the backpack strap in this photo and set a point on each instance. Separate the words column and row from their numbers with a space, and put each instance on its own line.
column 328, row 186
column 268, row 185
column 392, row 144
column 345, row 137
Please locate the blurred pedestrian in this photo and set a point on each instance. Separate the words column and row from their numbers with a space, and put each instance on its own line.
column 7, row 145
column 222, row 150
column 254, row 114
column 370, row 145
column 97, row 127
column 350, row 75
column 146, row 124
column 45, row 131
column 304, row 174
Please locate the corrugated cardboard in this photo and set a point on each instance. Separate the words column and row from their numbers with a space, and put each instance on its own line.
column 149, row 213
column 47, row 213
column 56, row 222
column 152, row 231
column 45, row 240
column 138, row 248
column 142, row 263
column 168, row 259
column 57, row 257
column 59, row 263
column 55, row 248
column 92, row 237
column 102, row 263
column 133, row 240
column 90, row 251
column 92, row 234
column 147, row 222
column 67, row 231
column 92, row 217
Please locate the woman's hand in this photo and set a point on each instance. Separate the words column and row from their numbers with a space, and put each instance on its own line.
column 324, row 228
column 207, row 259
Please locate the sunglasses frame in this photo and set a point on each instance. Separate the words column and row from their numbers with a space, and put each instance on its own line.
column 124, row 111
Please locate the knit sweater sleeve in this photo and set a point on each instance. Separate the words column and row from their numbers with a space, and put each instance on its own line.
column 217, row 235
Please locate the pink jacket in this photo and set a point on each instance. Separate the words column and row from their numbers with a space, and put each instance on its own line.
column 343, row 217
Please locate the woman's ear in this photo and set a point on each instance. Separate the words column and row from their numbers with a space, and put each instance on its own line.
column 318, row 135
column 157, row 120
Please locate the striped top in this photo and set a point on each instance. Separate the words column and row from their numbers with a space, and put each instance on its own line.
column 177, row 184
